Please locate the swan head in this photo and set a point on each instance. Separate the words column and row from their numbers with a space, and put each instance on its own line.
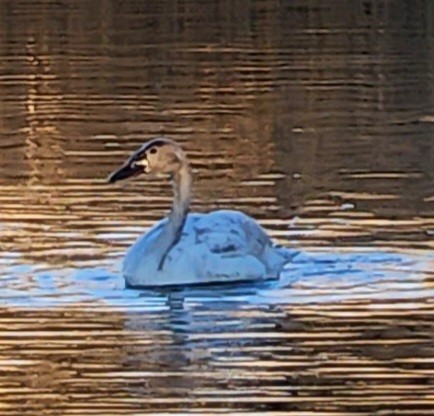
column 157, row 156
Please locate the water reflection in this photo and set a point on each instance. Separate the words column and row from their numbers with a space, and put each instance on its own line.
column 216, row 352
column 312, row 277
column 313, row 118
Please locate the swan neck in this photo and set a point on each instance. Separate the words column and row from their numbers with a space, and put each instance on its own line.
column 182, row 183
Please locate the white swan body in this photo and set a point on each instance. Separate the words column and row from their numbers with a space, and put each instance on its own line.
column 219, row 247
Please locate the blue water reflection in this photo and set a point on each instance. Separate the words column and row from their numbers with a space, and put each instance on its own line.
column 313, row 277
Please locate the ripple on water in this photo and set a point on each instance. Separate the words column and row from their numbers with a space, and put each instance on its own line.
column 330, row 334
column 313, row 117
column 312, row 277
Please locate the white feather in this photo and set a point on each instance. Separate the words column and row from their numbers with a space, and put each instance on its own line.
column 222, row 246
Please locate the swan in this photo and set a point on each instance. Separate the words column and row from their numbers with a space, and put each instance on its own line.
column 185, row 248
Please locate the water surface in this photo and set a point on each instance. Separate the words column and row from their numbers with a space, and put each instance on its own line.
column 313, row 117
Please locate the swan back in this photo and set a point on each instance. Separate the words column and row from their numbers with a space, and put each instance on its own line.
column 219, row 247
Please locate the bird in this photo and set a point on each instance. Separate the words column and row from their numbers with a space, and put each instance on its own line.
column 186, row 248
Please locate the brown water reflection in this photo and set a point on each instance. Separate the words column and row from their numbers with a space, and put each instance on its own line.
column 340, row 359
column 314, row 117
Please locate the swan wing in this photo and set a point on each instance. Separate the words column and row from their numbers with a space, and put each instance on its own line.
column 222, row 246
column 229, row 240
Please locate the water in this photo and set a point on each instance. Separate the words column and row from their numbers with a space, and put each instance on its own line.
column 313, row 117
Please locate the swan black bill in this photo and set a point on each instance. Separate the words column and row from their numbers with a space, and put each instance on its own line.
column 126, row 171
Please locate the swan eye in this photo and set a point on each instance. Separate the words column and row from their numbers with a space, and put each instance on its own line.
column 153, row 151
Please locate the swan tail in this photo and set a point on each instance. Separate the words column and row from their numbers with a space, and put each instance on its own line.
column 276, row 258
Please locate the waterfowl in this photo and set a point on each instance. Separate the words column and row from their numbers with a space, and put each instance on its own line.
column 185, row 248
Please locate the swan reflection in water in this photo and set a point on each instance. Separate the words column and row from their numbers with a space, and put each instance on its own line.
column 222, row 246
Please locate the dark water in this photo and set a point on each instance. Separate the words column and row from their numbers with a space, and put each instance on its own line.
column 314, row 117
